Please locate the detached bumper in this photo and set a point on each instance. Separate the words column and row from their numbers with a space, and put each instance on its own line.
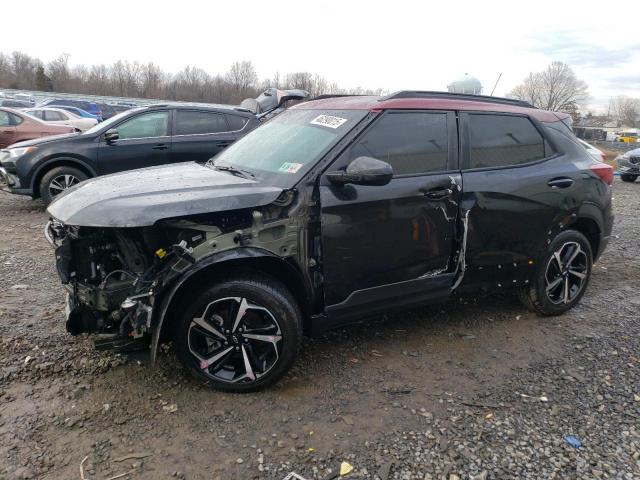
column 11, row 183
column 629, row 165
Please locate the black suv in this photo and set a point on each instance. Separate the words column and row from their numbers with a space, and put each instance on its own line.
column 137, row 138
column 335, row 210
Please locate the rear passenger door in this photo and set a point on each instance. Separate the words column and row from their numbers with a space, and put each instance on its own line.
column 508, row 199
column 199, row 135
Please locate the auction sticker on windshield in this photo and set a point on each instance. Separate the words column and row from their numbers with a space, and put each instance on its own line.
column 290, row 167
column 328, row 121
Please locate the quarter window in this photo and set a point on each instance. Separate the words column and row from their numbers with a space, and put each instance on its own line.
column 194, row 123
column 236, row 122
column 149, row 125
column 503, row 140
column 411, row 142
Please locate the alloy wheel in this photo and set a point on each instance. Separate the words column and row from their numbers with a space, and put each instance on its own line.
column 61, row 183
column 235, row 340
column 566, row 273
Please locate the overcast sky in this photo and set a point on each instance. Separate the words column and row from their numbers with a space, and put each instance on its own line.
column 389, row 44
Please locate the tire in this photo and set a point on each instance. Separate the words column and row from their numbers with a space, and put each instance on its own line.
column 541, row 296
column 628, row 177
column 212, row 317
column 59, row 179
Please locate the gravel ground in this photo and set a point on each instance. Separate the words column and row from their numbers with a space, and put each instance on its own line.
column 474, row 389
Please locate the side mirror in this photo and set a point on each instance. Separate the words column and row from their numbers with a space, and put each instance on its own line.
column 111, row 135
column 363, row 171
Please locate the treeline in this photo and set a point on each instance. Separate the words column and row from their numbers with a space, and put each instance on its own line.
column 125, row 79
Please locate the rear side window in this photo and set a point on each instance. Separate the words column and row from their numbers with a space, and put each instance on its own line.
column 236, row 122
column 411, row 142
column 53, row 116
column 193, row 123
column 503, row 140
column 5, row 119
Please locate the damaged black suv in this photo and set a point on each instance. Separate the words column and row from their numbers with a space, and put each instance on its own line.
column 335, row 210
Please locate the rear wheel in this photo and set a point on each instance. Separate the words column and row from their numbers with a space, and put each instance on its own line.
column 628, row 177
column 240, row 335
column 57, row 180
column 562, row 275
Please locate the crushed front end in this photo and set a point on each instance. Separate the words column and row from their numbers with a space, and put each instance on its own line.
column 112, row 276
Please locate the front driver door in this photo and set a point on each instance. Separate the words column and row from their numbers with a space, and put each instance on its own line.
column 144, row 141
column 393, row 243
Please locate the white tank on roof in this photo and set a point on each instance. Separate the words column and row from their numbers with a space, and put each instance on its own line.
column 466, row 84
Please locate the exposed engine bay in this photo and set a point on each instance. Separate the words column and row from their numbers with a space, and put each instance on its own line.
column 115, row 276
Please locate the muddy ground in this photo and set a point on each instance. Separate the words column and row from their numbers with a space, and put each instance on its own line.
column 477, row 388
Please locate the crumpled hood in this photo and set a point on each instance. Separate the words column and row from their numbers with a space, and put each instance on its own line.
column 138, row 198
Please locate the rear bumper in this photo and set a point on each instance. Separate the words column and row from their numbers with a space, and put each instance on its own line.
column 11, row 183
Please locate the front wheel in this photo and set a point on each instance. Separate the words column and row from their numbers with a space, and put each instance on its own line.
column 562, row 276
column 57, row 180
column 628, row 177
column 240, row 335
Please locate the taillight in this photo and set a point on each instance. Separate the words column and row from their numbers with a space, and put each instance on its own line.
column 604, row 171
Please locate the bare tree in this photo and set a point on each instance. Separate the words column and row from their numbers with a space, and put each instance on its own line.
column 19, row 70
column 58, row 71
column 625, row 110
column 556, row 88
column 242, row 79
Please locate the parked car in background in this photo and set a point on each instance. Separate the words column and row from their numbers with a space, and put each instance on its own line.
column 595, row 153
column 629, row 165
column 333, row 211
column 141, row 137
column 92, row 107
column 272, row 101
column 58, row 116
column 77, row 111
column 17, row 126
column 12, row 103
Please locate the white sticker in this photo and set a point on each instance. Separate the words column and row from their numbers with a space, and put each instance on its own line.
column 328, row 121
column 290, row 167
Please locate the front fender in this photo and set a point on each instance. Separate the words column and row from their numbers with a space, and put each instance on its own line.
column 167, row 295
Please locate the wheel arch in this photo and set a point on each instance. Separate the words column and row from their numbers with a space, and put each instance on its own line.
column 217, row 267
column 59, row 162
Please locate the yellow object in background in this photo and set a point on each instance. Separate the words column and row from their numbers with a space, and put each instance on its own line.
column 345, row 468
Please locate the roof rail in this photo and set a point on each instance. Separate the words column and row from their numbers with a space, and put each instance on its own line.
column 456, row 96
column 334, row 95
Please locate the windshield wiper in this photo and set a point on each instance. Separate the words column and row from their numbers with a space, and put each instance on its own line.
column 234, row 170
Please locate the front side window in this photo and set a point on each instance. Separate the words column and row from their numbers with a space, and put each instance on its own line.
column 411, row 142
column 190, row 122
column 503, row 140
column 149, row 125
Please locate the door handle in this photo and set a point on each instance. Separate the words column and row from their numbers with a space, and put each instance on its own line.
column 563, row 182
column 7, row 131
column 437, row 194
column 161, row 146
column 223, row 144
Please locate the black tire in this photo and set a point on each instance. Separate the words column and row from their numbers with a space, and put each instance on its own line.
column 217, row 301
column 49, row 183
column 536, row 296
column 628, row 177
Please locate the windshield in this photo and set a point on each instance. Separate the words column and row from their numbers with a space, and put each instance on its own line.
column 282, row 150
column 107, row 124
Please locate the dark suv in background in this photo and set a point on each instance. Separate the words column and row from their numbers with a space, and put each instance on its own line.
column 335, row 210
column 137, row 138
